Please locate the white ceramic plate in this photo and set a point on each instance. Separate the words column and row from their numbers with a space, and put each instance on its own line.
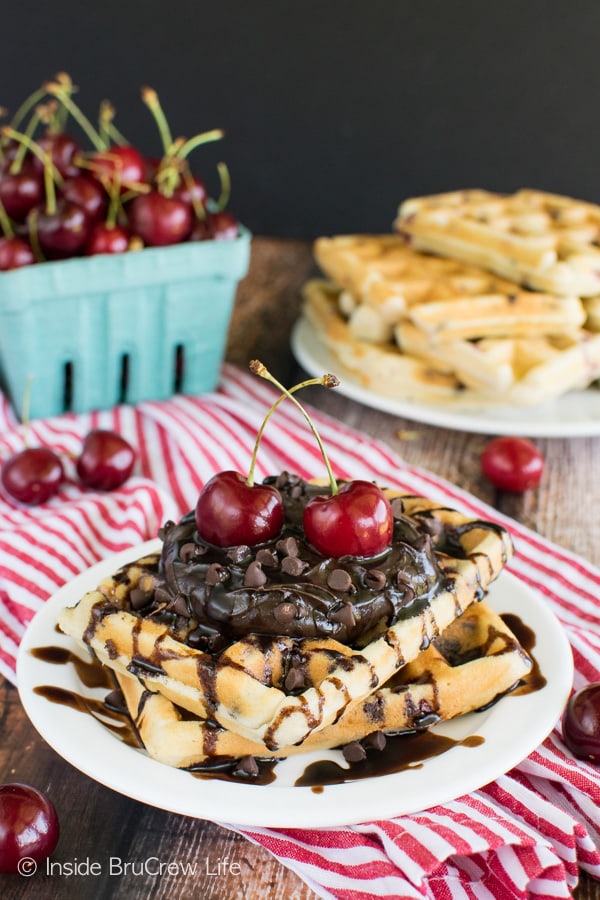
column 511, row 730
column 576, row 414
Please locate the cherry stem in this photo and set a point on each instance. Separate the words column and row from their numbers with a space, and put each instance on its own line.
column 58, row 91
column 51, row 173
column 257, row 368
column 205, row 138
column 108, row 131
column 17, row 162
column 150, row 98
column 225, row 186
column 5, row 223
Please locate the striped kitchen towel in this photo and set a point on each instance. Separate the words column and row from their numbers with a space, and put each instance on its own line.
column 524, row 835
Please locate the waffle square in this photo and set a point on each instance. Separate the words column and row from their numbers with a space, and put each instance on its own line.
column 541, row 240
column 384, row 281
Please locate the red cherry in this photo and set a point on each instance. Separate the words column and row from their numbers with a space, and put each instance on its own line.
column 87, row 193
column 160, row 220
column 29, row 827
column 512, row 463
column 62, row 149
column 357, row 521
column 230, row 512
column 64, row 232
column 581, row 723
column 106, row 460
column 191, row 191
column 223, row 226
column 105, row 239
column 15, row 253
column 124, row 165
column 32, row 475
column 20, row 192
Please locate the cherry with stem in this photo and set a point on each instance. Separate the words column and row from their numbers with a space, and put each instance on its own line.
column 355, row 519
column 232, row 510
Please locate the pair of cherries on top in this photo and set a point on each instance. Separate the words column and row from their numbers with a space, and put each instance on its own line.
column 353, row 520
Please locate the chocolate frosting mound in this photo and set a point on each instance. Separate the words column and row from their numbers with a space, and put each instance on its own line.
column 284, row 587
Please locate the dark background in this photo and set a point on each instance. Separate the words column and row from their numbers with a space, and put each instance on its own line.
column 335, row 111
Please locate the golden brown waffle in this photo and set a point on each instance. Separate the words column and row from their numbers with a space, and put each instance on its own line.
column 384, row 281
column 544, row 241
column 475, row 661
column 231, row 687
column 458, row 373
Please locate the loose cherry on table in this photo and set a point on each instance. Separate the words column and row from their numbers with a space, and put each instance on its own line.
column 106, row 460
column 29, row 828
column 512, row 463
column 581, row 723
column 32, row 475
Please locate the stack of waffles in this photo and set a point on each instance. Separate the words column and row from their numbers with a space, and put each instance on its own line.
column 204, row 690
column 478, row 300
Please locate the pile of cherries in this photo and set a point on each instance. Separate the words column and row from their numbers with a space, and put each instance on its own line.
column 35, row 474
column 59, row 199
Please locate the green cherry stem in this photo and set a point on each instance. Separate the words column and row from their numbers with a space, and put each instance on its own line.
column 5, row 224
column 150, row 98
column 57, row 90
column 225, row 180
column 51, row 173
column 331, row 381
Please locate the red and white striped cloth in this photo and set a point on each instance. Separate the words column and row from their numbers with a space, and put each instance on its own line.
column 524, row 835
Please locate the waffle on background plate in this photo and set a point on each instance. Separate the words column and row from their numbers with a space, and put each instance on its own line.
column 205, row 680
column 480, row 300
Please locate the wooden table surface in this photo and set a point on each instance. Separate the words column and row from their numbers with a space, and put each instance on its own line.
column 98, row 824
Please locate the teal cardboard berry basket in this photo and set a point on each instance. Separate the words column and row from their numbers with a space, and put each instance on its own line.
column 90, row 333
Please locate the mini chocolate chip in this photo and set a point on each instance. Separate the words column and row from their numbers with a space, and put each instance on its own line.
column 397, row 505
column 374, row 741
column 138, row 598
column 285, row 612
column 344, row 615
column 247, row 767
column 291, row 565
column 430, row 525
column 288, row 546
column 215, row 574
column 294, row 680
column 116, row 701
column 296, row 492
column 354, row 752
column 339, row 580
column 408, row 593
column 164, row 529
column 239, row 554
column 254, row 577
column 188, row 551
column 179, row 605
column 267, row 558
column 375, row 579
